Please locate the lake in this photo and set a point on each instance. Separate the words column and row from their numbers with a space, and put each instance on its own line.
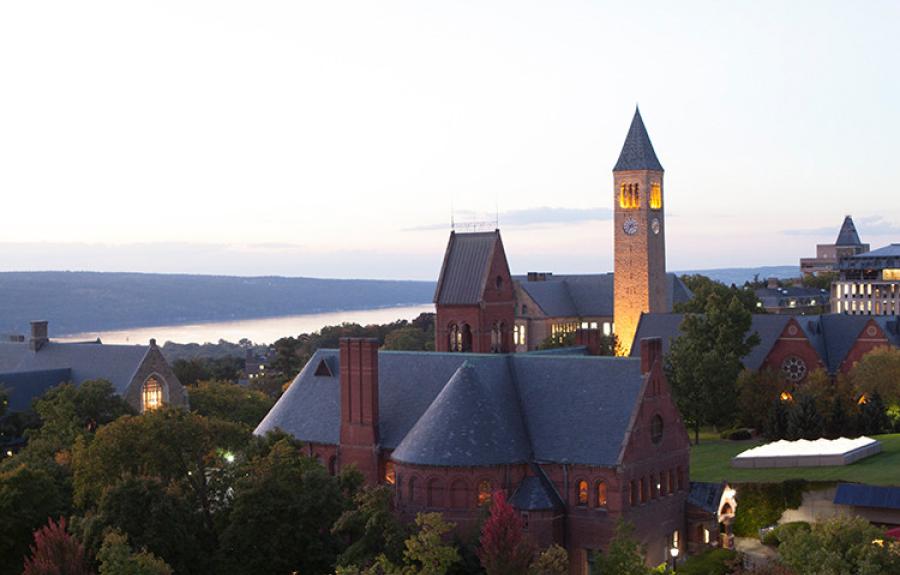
column 265, row 330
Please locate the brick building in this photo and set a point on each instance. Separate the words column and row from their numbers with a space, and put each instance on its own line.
column 576, row 442
column 481, row 308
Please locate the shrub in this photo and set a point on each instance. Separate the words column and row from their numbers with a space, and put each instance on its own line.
column 777, row 535
column 712, row 562
column 737, row 434
column 762, row 504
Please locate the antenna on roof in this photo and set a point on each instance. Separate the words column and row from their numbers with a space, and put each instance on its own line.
column 452, row 219
column 497, row 211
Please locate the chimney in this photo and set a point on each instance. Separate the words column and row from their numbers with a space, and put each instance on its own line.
column 589, row 338
column 359, row 406
column 38, row 335
column 651, row 352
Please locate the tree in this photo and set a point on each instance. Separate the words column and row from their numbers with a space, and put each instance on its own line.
column 55, row 552
column 371, row 528
column 503, row 548
column 704, row 288
column 840, row 545
column 878, row 370
column 554, row 560
column 624, row 556
column 283, row 506
column 703, row 363
column 821, row 280
column 154, row 516
column 872, row 418
column 28, row 497
column 230, row 402
column 804, row 421
column 777, row 422
column 410, row 339
column 181, row 449
column 116, row 558
column 194, row 370
column 757, row 391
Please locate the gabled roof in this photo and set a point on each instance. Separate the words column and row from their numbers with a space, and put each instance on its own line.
column 473, row 421
column 831, row 335
column 536, row 494
column 706, row 496
column 465, row 269
column 589, row 295
column 848, row 236
column 86, row 361
column 867, row 496
column 571, row 409
column 637, row 152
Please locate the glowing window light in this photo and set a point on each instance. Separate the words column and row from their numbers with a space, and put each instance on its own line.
column 152, row 394
column 655, row 196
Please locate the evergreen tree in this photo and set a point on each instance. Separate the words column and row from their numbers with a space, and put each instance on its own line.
column 839, row 424
column 804, row 421
column 872, row 416
column 777, row 422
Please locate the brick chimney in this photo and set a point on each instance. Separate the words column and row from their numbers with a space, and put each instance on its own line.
column 38, row 335
column 359, row 406
column 651, row 352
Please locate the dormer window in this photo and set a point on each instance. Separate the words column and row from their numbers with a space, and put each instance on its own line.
column 322, row 370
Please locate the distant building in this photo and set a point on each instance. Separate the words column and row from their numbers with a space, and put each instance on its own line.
column 869, row 283
column 256, row 366
column 138, row 373
column 828, row 255
column 796, row 346
column 796, row 300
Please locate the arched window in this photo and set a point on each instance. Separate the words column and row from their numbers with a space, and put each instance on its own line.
column 390, row 476
column 495, row 338
column 435, row 491
column 454, row 338
column 583, row 493
column 458, row 490
column 484, row 492
column 601, row 494
column 152, row 394
column 623, row 200
column 411, row 490
column 466, row 338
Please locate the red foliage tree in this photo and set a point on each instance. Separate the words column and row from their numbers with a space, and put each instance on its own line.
column 504, row 549
column 55, row 552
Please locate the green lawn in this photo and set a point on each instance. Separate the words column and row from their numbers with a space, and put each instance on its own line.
column 711, row 461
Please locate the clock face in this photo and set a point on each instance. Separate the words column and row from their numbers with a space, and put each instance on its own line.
column 654, row 225
column 630, row 226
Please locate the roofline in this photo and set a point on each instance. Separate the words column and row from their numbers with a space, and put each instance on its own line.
column 440, row 282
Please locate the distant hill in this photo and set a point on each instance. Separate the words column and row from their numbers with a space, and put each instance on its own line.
column 76, row 302
column 738, row 276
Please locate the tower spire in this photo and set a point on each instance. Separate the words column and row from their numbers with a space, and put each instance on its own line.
column 637, row 152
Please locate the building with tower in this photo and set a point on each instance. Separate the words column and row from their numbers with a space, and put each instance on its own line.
column 828, row 255
column 481, row 308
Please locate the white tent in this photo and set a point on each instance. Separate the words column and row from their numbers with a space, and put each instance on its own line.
column 805, row 453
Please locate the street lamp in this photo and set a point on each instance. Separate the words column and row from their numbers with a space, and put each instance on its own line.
column 674, row 552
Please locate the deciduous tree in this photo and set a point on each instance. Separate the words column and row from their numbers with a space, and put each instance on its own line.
column 503, row 549
column 28, row 497
column 838, row 546
column 230, row 402
column 56, row 552
column 117, row 558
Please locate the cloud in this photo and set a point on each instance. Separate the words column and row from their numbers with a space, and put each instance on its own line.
column 865, row 226
column 543, row 216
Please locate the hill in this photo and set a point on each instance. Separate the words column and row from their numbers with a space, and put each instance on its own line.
column 89, row 301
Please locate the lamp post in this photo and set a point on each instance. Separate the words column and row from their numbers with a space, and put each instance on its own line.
column 674, row 552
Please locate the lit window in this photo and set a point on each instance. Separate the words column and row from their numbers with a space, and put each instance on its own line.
column 891, row 274
column 152, row 394
column 676, row 540
column 655, row 196
column 706, row 535
column 484, row 493
column 583, row 494
column 390, row 476
column 607, row 328
column 601, row 494
column 519, row 334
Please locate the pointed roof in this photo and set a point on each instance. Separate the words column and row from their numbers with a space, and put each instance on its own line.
column 637, row 153
column 467, row 264
column 848, row 236
column 468, row 424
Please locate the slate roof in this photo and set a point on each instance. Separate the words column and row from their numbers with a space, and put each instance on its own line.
column 536, row 493
column 848, row 236
column 86, row 361
column 550, row 408
column 23, row 386
column 860, row 495
column 831, row 335
column 706, row 496
column 466, row 265
column 637, row 152
column 588, row 295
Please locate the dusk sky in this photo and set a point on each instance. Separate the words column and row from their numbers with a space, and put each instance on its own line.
column 332, row 139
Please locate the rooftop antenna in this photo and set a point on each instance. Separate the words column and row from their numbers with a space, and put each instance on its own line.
column 497, row 211
column 452, row 219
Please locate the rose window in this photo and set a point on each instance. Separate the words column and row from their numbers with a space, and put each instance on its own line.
column 793, row 368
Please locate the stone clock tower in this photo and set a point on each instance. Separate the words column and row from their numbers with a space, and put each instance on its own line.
column 640, row 246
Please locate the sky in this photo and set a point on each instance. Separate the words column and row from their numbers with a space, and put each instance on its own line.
column 335, row 139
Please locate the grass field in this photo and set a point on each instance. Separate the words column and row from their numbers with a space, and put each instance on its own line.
column 711, row 461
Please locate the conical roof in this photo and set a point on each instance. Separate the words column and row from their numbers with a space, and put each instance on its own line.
column 468, row 425
column 637, row 153
column 848, row 236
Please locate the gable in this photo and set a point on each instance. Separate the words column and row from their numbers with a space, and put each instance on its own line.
column 468, row 261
